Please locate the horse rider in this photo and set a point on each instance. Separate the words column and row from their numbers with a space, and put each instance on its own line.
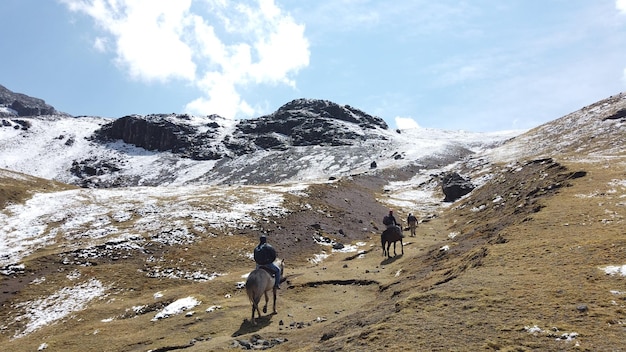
column 264, row 256
column 412, row 221
column 390, row 221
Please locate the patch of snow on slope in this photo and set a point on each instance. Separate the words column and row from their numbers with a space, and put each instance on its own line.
column 46, row 147
column 615, row 270
column 87, row 217
column 42, row 312
column 422, row 193
column 568, row 132
column 7, row 110
column 176, row 307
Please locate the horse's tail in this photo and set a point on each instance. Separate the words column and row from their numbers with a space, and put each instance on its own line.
column 253, row 287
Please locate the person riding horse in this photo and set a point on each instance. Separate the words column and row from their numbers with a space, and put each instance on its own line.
column 391, row 223
column 264, row 256
column 392, row 234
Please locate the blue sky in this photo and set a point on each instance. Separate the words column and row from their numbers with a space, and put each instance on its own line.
column 483, row 65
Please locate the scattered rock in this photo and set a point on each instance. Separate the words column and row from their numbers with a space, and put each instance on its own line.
column 454, row 186
column 327, row 336
column 582, row 308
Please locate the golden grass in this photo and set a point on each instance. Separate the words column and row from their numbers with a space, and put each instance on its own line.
column 15, row 188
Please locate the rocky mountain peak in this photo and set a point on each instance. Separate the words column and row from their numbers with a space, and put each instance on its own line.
column 301, row 122
column 307, row 122
column 327, row 109
column 17, row 104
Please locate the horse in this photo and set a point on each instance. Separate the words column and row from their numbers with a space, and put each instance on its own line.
column 389, row 236
column 258, row 283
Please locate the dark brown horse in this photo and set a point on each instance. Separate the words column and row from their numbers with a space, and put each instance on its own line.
column 389, row 236
column 258, row 283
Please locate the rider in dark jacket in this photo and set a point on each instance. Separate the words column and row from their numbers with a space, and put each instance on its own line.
column 390, row 221
column 265, row 255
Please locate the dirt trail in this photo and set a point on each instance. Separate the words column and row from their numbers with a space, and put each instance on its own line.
column 314, row 296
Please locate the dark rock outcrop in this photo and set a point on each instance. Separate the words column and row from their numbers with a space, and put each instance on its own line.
column 23, row 105
column 302, row 122
column 313, row 122
column 161, row 132
column 618, row 115
column 454, row 186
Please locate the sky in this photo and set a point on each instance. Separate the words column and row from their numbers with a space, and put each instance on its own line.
column 481, row 66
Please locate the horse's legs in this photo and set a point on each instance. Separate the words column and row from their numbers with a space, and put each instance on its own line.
column 266, row 299
column 274, row 303
column 382, row 242
column 402, row 246
column 255, row 307
column 388, row 247
column 252, row 318
column 394, row 249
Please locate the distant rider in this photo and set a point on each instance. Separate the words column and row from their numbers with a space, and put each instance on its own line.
column 412, row 221
column 264, row 256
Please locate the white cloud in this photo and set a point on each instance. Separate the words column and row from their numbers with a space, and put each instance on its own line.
column 219, row 51
column 405, row 123
column 221, row 98
column 147, row 35
column 621, row 6
column 100, row 44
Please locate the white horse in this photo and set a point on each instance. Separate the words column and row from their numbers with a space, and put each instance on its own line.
column 259, row 282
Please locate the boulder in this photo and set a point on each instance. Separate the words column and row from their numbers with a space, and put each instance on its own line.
column 454, row 186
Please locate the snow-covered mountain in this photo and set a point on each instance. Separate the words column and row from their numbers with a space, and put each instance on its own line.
column 304, row 140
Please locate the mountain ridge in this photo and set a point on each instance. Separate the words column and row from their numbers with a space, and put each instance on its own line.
column 18, row 104
column 178, row 149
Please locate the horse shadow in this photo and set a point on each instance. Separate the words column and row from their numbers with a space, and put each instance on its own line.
column 390, row 260
column 247, row 327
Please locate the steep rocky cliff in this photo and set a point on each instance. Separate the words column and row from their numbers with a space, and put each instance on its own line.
column 17, row 104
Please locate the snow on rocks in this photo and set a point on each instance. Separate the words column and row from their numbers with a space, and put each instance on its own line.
column 615, row 270
column 176, row 307
column 552, row 333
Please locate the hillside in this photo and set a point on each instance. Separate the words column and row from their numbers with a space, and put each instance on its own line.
column 532, row 259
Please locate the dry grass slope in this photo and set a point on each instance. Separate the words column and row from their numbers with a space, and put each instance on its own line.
column 17, row 188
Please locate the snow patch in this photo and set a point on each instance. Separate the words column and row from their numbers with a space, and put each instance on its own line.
column 176, row 307
column 45, row 311
column 615, row 270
